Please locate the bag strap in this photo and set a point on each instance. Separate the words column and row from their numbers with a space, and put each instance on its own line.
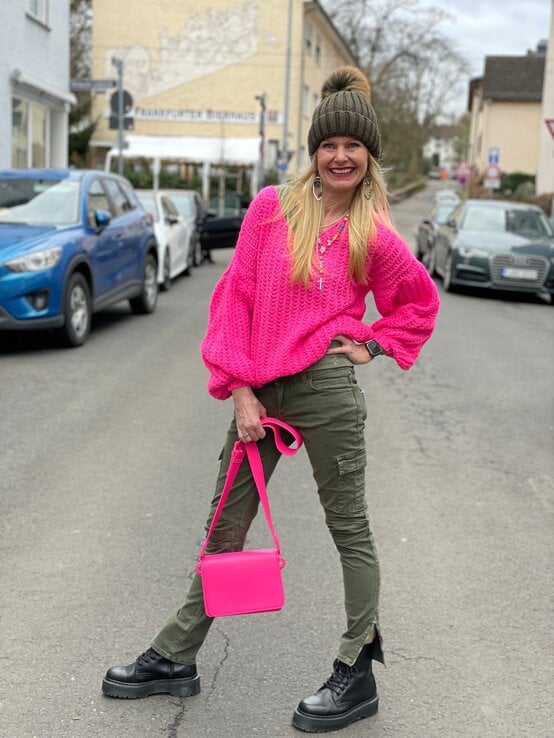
column 240, row 450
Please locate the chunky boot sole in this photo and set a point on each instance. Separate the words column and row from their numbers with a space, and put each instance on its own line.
column 176, row 687
column 324, row 724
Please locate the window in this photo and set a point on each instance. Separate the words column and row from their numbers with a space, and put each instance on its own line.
column 317, row 50
column 97, row 200
column 306, row 101
column 20, row 126
column 308, row 37
column 120, row 203
column 30, row 132
column 38, row 9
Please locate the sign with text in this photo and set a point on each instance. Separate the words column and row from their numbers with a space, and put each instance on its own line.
column 189, row 115
column 494, row 155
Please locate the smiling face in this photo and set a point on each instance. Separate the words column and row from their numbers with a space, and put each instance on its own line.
column 342, row 163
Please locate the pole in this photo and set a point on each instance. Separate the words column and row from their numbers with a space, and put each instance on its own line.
column 262, row 100
column 118, row 64
column 285, row 145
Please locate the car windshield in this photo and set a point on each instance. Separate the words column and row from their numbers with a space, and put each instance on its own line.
column 443, row 211
column 528, row 223
column 39, row 201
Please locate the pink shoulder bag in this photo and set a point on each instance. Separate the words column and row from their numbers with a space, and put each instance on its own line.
column 241, row 582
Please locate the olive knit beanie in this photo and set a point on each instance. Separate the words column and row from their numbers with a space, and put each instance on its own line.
column 345, row 110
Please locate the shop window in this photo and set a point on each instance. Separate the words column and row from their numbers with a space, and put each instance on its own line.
column 30, row 131
column 20, row 126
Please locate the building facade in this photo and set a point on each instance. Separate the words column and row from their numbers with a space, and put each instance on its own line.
column 505, row 108
column 545, row 173
column 217, row 85
column 34, row 83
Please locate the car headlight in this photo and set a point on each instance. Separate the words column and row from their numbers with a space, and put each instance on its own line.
column 35, row 260
column 469, row 251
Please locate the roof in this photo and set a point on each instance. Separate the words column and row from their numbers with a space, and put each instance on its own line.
column 514, row 78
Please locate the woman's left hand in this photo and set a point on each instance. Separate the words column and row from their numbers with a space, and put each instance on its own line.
column 356, row 352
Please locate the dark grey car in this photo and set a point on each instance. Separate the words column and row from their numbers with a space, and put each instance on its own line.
column 495, row 244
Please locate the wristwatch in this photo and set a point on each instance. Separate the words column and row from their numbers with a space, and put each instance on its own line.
column 374, row 348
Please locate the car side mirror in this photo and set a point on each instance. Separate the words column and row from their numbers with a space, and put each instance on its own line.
column 451, row 223
column 427, row 222
column 171, row 219
column 102, row 219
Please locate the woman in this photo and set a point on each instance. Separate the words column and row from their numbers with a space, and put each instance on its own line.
column 285, row 331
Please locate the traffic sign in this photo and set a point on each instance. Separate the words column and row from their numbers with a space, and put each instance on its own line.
column 550, row 125
column 494, row 155
column 79, row 85
column 127, row 102
column 492, row 172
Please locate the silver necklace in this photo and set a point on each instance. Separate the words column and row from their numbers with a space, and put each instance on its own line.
column 322, row 248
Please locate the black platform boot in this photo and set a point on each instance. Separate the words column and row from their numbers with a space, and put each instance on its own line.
column 151, row 674
column 348, row 695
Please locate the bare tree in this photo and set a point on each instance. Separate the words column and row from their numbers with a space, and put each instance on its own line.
column 414, row 70
column 81, row 125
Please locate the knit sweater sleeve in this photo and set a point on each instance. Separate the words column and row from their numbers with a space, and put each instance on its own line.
column 405, row 296
column 226, row 349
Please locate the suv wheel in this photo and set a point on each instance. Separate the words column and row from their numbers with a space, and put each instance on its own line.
column 77, row 311
column 146, row 301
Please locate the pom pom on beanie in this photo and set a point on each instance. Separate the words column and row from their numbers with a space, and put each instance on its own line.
column 345, row 110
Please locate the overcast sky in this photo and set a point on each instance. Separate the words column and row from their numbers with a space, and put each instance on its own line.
column 494, row 28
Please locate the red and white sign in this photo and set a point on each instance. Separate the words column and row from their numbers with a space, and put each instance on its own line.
column 463, row 169
column 492, row 172
column 550, row 125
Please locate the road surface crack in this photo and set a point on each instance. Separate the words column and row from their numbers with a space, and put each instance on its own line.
column 173, row 727
column 219, row 667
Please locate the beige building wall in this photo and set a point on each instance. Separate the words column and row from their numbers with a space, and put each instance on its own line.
column 194, row 68
column 509, row 127
column 545, row 173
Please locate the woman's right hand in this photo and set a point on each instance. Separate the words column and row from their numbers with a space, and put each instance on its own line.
column 248, row 413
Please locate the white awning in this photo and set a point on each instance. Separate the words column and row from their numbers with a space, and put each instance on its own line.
column 192, row 149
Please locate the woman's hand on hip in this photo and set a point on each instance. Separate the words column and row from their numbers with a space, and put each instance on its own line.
column 248, row 414
column 356, row 352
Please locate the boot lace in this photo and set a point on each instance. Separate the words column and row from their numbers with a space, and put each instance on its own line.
column 340, row 678
column 147, row 657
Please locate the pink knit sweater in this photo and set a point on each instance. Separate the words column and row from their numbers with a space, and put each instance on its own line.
column 262, row 326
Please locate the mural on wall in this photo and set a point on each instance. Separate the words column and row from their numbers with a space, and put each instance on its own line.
column 209, row 42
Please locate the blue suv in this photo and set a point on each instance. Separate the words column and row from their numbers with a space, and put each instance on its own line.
column 72, row 242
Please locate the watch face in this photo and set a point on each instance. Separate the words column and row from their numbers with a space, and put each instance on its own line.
column 374, row 348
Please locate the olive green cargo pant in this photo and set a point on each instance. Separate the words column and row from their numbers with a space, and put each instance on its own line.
column 327, row 407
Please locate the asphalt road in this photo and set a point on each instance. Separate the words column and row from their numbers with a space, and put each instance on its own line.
column 108, row 456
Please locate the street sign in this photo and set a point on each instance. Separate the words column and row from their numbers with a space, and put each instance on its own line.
column 550, row 125
column 463, row 172
column 491, row 179
column 79, row 85
column 127, row 102
column 494, row 155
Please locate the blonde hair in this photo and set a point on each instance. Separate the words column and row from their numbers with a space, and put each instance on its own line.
column 304, row 215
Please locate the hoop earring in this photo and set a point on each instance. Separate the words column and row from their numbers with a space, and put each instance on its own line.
column 368, row 187
column 317, row 183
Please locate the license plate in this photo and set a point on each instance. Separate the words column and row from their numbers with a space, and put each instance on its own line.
column 513, row 273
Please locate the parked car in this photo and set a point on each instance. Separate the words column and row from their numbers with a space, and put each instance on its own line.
column 173, row 234
column 72, row 242
column 222, row 224
column 192, row 209
column 427, row 229
column 495, row 244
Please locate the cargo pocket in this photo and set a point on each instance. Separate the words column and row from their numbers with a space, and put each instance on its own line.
column 351, row 484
